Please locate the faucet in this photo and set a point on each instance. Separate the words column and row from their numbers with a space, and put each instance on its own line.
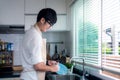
column 83, row 75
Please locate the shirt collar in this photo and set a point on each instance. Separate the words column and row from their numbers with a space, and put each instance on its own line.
column 37, row 28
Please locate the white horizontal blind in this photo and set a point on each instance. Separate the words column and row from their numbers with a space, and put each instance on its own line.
column 111, row 62
column 110, row 33
column 87, row 14
column 95, row 21
column 92, row 20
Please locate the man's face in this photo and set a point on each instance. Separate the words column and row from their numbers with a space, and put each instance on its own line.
column 45, row 25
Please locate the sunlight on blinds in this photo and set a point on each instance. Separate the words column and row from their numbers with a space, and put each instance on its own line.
column 97, row 33
column 110, row 33
column 87, row 22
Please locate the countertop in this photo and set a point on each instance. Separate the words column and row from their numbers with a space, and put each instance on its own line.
column 12, row 74
column 10, row 71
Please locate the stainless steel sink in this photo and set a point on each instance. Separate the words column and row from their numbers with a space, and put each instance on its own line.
column 63, row 77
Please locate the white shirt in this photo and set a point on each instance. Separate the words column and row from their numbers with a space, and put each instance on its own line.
column 31, row 53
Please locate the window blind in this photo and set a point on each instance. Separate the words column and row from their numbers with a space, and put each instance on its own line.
column 87, row 22
column 96, row 24
column 110, row 38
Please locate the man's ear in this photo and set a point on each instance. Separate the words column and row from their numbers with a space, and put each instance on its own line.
column 42, row 20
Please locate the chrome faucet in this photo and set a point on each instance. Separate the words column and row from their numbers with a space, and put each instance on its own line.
column 83, row 75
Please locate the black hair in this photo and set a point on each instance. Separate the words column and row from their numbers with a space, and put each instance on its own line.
column 49, row 15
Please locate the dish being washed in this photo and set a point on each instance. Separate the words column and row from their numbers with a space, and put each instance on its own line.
column 62, row 69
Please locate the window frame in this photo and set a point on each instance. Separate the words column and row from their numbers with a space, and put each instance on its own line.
column 100, row 44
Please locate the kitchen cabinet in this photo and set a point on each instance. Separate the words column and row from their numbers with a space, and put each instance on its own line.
column 10, row 79
column 59, row 26
column 34, row 6
column 29, row 21
column 58, row 5
column 11, row 12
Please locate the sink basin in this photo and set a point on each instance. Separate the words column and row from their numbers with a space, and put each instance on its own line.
column 63, row 77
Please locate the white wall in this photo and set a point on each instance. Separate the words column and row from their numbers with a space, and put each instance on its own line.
column 56, row 37
column 16, row 39
column 70, row 39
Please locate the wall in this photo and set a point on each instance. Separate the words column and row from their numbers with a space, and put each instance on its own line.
column 56, row 37
column 16, row 39
column 70, row 42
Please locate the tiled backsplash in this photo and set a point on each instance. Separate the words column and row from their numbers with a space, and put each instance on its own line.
column 55, row 37
column 16, row 39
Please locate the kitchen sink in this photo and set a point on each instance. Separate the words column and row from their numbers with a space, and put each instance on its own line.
column 63, row 77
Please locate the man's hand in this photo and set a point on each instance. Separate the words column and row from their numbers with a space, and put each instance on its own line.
column 54, row 68
column 51, row 62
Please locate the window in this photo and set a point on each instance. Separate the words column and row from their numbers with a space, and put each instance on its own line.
column 110, row 35
column 97, row 33
column 87, row 23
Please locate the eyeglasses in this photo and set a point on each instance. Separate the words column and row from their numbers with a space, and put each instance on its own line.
column 49, row 23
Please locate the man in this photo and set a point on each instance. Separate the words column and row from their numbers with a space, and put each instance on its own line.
column 33, row 54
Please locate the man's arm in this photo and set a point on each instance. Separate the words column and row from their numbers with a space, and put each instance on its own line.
column 43, row 67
